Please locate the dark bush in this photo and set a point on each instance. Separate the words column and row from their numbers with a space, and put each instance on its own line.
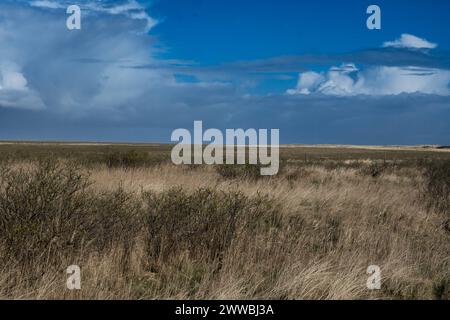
column 374, row 169
column 115, row 217
column 441, row 289
column 40, row 209
column 437, row 185
column 48, row 212
column 126, row 159
column 233, row 171
column 205, row 222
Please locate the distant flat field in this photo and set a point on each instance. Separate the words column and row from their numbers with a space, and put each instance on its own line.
column 288, row 152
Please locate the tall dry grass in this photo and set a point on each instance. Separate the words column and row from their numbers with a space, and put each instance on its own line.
column 192, row 232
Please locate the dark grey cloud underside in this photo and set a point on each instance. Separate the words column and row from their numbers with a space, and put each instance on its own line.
column 404, row 119
column 298, row 63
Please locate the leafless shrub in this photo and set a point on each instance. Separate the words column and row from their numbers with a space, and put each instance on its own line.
column 48, row 214
column 374, row 169
column 245, row 171
column 205, row 222
column 437, row 185
column 40, row 210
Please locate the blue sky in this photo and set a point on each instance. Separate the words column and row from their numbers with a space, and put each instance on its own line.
column 228, row 30
column 137, row 70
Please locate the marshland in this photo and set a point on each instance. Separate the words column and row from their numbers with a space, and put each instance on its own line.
column 140, row 227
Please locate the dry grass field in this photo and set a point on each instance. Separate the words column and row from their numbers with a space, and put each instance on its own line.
column 142, row 228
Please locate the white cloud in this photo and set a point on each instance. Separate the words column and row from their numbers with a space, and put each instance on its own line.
column 410, row 41
column 12, row 81
column 306, row 82
column 347, row 80
column 130, row 8
column 80, row 72
column 46, row 4
column 14, row 91
column 396, row 80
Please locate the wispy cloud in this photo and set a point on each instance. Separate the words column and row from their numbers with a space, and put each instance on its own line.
column 47, row 4
column 129, row 8
column 410, row 41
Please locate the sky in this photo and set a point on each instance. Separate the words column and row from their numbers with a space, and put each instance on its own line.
column 137, row 70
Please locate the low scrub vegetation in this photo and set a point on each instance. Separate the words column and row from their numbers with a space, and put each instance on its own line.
column 160, row 231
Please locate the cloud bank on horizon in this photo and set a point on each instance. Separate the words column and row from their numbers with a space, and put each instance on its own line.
column 110, row 81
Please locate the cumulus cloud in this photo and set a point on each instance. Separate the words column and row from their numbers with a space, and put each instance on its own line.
column 339, row 81
column 308, row 82
column 11, row 80
column 396, row 80
column 78, row 72
column 347, row 80
column 14, row 90
column 91, row 73
column 410, row 41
